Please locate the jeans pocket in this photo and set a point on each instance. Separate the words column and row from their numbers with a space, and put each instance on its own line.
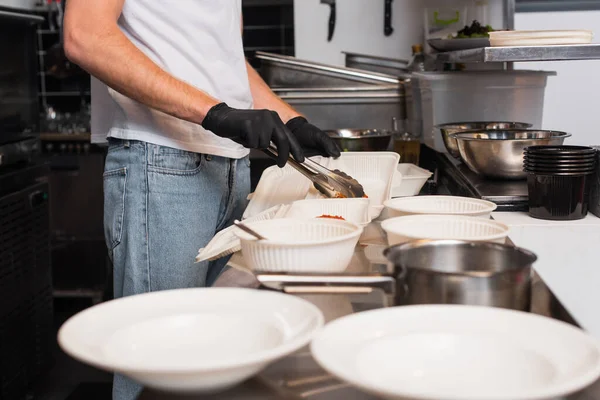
column 169, row 161
column 114, row 206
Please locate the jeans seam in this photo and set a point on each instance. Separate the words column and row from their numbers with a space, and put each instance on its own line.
column 146, row 205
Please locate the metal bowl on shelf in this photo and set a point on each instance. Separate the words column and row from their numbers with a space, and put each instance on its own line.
column 361, row 139
column 456, row 127
column 499, row 153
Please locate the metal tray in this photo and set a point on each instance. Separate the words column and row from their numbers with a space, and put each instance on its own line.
column 284, row 71
column 366, row 107
column 384, row 65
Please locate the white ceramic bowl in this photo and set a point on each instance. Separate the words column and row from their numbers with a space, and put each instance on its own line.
column 300, row 245
column 450, row 205
column 455, row 352
column 414, row 227
column 409, row 179
column 352, row 210
column 191, row 340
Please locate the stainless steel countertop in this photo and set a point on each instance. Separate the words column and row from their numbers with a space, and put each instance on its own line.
column 299, row 377
column 522, row 53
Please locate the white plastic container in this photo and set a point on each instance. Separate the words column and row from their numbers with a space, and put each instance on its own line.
column 300, row 245
column 374, row 170
column 444, row 97
column 414, row 227
column 409, row 179
column 352, row 210
column 447, row 205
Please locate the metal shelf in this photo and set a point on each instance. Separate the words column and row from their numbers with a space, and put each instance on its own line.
column 522, row 54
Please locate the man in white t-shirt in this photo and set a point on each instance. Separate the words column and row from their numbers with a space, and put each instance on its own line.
column 180, row 107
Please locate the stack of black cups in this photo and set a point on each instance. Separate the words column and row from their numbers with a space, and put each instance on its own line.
column 559, row 179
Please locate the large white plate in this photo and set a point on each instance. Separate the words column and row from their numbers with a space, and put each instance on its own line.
column 447, row 352
column 374, row 170
column 191, row 340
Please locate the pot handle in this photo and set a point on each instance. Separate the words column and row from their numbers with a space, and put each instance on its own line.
column 331, row 284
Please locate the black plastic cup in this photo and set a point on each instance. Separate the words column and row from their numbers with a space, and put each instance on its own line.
column 559, row 160
column 559, row 196
column 534, row 166
column 564, row 150
column 550, row 169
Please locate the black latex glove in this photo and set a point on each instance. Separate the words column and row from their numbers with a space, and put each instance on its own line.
column 313, row 140
column 254, row 129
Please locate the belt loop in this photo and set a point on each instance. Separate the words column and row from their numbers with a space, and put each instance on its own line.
column 127, row 144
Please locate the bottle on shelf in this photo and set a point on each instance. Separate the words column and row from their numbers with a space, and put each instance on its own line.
column 417, row 64
column 405, row 144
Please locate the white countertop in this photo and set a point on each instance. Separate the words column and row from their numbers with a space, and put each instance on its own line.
column 568, row 260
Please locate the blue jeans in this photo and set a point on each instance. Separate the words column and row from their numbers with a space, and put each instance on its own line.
column 160, row 206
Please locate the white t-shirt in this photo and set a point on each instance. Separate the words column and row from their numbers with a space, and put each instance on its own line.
column 197, row 41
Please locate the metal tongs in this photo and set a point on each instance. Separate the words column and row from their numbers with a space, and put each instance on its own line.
column 333, row 184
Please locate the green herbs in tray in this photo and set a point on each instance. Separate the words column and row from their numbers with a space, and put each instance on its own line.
column 476, row 30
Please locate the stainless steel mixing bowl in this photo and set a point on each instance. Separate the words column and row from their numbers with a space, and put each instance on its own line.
column 456, row 127
column 499, row 153
column 361, row 139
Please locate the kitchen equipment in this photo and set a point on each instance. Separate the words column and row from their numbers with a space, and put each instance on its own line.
column 374, row 170
column 449, row 205
column 26, row 301
column 442, row 97
column 595, row 186
column 160, row 339
column 361, row 139
column 409, row 180
column 331, row 24
column 318, row 245
column 387, row 18
column 540, row 38
column 384, row 65
column 332, row 183
column 458, row 352
column 458, row 44
column 456, row 127
column 290, row 72
column 432, row 272
column 406, row 145
column 499, row 153
column 248, row 230
column 366, row 107
column 559, row 191
column 437, row 227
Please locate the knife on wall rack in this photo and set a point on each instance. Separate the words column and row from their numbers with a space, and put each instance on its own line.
column 331, row 25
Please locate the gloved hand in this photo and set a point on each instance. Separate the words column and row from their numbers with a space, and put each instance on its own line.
column 254, row 129
column 313, row 140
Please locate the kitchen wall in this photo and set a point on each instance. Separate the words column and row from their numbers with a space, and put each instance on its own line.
column 359, row 27
column 572, row 97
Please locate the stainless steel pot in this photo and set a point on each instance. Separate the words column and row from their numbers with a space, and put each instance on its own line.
column 433, row 272
column 361, row 139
